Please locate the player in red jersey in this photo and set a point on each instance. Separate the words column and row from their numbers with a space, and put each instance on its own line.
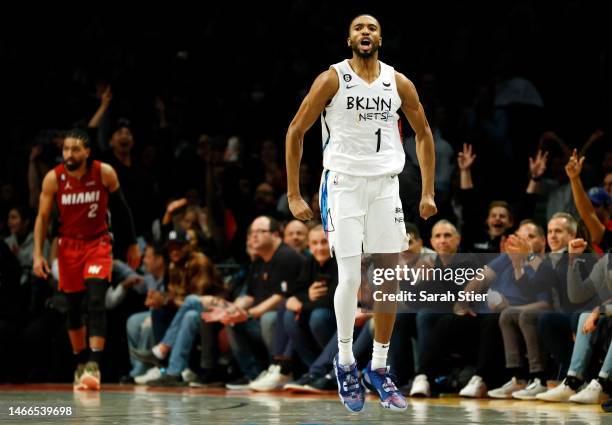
column 84, row 192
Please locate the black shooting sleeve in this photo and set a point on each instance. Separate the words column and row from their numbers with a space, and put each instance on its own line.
column 121, row 213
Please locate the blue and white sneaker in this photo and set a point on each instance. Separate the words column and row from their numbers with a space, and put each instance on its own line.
column 380, row 381
column 350, row 388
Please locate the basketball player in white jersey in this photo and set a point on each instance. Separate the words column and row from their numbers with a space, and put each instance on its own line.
column 358, row 100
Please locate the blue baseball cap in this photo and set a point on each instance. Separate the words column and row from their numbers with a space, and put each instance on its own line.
column 599, row 196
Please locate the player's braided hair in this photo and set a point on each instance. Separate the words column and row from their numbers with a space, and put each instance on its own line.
column 77, row 133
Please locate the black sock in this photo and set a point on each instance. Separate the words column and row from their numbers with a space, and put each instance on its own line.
column 518, row 373
column 95, row 356
column 286, row 367
column 573, row 382
column 605, row 383
column 82, row 356
column 539, row 375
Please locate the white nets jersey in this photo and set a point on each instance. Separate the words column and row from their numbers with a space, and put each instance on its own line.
column 361, row 135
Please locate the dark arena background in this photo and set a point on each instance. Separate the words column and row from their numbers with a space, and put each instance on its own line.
column 191, row 108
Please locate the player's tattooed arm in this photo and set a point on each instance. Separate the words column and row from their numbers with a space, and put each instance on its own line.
column 322, row 91
column 109, row 178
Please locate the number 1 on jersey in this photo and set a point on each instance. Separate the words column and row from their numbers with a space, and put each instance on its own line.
column 378, row 140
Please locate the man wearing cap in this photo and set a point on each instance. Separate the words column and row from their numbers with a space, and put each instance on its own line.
column 161, row 302
column 601, row 201
column 191, row 275
column 185, row 269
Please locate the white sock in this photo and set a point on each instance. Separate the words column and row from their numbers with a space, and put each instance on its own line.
column 158, row 353
column 345, row 351
column 379, row 355
column 345, row 305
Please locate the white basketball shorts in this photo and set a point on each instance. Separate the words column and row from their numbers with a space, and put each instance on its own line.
column 362, row 214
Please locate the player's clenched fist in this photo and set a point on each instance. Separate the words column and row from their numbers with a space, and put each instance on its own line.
column 427, row 207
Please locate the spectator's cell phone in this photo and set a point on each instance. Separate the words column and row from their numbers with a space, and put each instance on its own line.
column 324, row 278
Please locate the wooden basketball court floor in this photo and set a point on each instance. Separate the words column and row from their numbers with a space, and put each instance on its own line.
column 117, row 404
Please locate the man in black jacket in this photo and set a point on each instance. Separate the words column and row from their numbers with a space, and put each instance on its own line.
column 309, row 319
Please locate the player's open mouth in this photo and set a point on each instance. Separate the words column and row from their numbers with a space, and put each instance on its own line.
column 365, row 43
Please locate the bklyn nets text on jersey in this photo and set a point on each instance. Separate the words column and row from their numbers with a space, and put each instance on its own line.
column 381, row 106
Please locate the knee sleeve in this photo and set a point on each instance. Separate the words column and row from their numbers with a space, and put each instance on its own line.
column 96, row 308
column 75, row 309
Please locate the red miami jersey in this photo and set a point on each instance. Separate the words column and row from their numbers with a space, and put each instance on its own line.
column 82, row 203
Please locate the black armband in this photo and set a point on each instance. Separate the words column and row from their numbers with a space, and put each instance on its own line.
column 119, row 207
